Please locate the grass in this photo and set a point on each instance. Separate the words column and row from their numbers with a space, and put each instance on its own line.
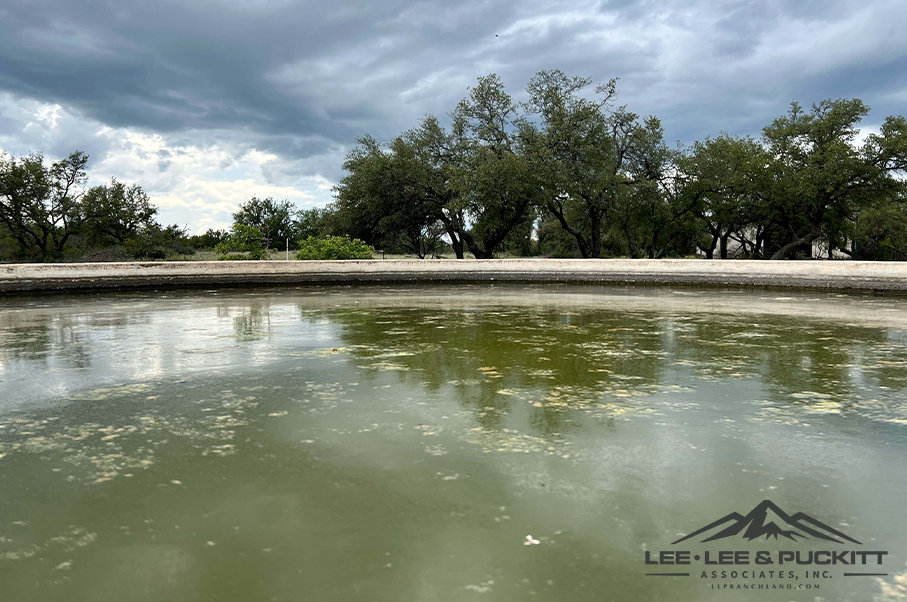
column 207, row 255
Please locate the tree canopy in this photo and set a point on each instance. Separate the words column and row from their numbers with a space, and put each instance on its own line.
column 566, row 171
column 275, row 219
column 47, row 213
column 505, row 175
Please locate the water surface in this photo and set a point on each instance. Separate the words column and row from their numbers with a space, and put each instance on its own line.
column 384, row 443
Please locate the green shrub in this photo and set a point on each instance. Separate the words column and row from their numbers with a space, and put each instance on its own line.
column 209, row 240
column 247, row 240
column 105, row 255
column 881, row 232
column 156, row 242
column 334, row 247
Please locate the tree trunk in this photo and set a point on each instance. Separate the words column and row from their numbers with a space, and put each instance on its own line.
column 895, row 249
column 653, row 249
column 580, row 240
column 497, row 236
column 458, row 248
column 759, row 243
column 455, row 241
column 595, row 235
column 631, row 241
column 473, row 247
column 723, row 247
column 789, row 251
column 490, row 242
column 710, row 251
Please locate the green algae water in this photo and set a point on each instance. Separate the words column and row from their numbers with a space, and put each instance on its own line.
column 454, row 443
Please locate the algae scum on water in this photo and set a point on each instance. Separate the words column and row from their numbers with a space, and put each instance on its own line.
column 417, row 443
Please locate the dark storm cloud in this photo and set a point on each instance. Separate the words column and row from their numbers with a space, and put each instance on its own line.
column 277, row 68
column 303, row 79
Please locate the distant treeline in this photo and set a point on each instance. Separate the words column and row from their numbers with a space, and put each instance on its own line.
column 47, row 213
column 565, row 174
column 568, row 173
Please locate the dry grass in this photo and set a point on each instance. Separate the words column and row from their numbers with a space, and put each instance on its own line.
column 281, row 255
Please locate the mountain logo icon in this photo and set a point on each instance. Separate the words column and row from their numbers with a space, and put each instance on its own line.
column 759, row 522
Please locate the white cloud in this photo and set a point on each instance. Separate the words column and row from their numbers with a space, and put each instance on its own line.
column 198, row 185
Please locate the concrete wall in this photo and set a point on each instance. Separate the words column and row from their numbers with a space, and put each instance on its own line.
column 880, row 276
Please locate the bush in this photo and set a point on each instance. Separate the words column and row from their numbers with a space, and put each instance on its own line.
column 334, row 247
column 208, row 240
column 247, row 240
column 881, row 232
column 105, row 255
column 155, row 242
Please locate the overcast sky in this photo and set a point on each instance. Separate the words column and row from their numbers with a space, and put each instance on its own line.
column 206, row 103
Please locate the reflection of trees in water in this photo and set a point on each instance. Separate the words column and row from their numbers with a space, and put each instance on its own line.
column 251, row 320
column 810, row 362
column 562, row 361
column 891, row 370
column 63, row 336
column 815, row 359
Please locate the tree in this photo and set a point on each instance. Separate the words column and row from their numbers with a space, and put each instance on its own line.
column 821, row 178
column 602, row 163
column 607, row 177
column 40, row 204
column 275, row 219
column 494, row 181
column 582, row 146
column 417, row 194
column 390, row 196
column 317, row 221
column 116, row 212
column 880, row 231
column 553, row 240
column 209, row 239
column 248, row 240
column 722, row 179
column 361, row 196
column 154, row 241
column 438, row 163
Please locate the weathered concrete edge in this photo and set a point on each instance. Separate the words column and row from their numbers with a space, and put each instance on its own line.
column 251, row 280
column 865, row 276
